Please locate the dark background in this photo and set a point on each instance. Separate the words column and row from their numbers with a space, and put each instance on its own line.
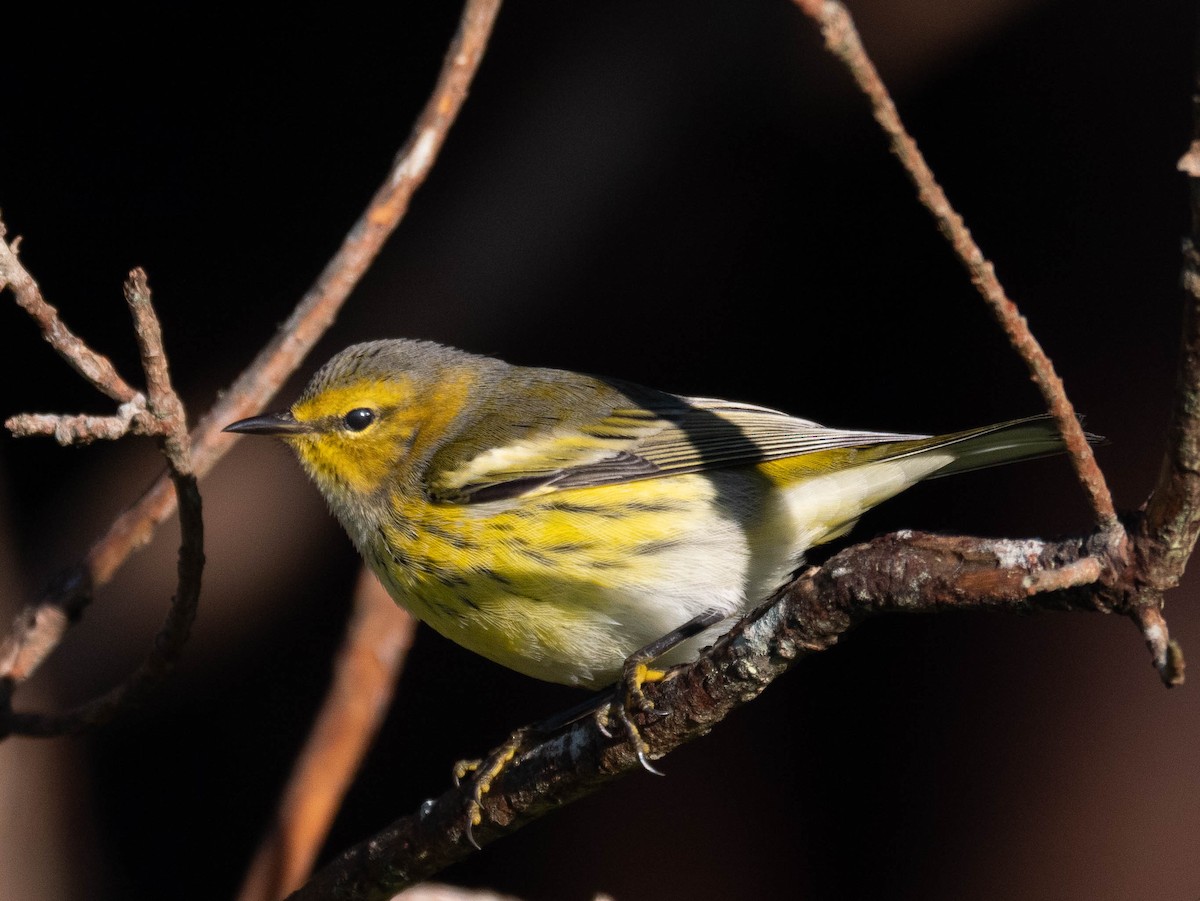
column 689, row 195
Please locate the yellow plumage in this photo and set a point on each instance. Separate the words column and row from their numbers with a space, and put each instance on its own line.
column 556, row 522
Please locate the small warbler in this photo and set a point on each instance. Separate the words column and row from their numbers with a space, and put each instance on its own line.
column 557, row 523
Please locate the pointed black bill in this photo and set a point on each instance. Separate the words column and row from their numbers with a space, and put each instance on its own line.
column 269, row 424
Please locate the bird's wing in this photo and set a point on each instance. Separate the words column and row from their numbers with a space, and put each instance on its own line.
column 659, row 435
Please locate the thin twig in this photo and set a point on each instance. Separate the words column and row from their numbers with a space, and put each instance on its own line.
column 131, row 419
column 909, row 572
column 842, row 39
column 294, row 339
column 161, row 400
column 366, row 670
column 1165, row 652
column 95, row 368
column 168, row 413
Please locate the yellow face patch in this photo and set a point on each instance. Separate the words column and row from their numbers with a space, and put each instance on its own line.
column 338, row 400
column 362, row 461
column 359, row 461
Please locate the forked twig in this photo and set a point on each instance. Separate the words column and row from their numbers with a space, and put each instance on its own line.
column 39, row 628
column 159, row 413
column 95, row 368
column 1169, row 510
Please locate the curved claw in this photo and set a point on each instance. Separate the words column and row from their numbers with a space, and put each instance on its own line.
column 485, row 770
column 646, row 765
column 603, row 712
column 470, row 834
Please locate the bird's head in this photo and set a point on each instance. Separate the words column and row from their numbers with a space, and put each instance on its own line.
column 371, row 415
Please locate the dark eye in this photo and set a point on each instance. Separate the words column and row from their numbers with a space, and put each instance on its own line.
column 359, row 418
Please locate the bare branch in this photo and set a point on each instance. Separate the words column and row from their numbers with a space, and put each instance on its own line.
column 94, row 367
column 131, row 419
column 161, row 400
column 1172, row 518
column 842, row 39
column 25, row 649
column 366, row 670
column 903, row 573
column 1165, row 536
column 294, row 339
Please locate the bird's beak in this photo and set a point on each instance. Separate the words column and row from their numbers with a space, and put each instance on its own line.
column 282, row 424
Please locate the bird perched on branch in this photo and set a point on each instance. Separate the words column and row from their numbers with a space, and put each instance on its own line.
column 563, row 524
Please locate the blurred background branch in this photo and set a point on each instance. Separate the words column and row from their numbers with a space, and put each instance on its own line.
column 365, row 672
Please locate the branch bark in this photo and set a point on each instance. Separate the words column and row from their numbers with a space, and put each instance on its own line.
column 902, row 573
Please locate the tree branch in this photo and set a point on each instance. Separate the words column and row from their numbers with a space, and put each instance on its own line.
column 95, row 368
column 162, row 414
column 903, row 573
column 1172, row 513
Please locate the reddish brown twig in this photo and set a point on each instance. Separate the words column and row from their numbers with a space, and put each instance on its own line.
column 365, row 672
column 97, row 369
column 842, row 39
column 294, row 338
column 161, row 414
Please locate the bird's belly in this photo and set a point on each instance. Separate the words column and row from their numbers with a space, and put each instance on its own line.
column 565, row 586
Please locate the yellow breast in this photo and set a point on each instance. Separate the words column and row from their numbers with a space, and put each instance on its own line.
column 565, row 586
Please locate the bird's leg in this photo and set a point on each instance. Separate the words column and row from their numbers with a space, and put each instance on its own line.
column 629, row 697
column 626, row 699
column 487, row 769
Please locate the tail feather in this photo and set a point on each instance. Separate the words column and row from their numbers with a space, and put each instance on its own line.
column 994, row 445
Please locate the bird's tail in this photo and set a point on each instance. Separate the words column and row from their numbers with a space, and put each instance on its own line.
column 990, row 445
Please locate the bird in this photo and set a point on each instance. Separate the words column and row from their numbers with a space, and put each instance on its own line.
column 558, row 523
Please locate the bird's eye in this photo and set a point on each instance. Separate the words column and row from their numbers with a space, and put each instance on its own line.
column 359, row 418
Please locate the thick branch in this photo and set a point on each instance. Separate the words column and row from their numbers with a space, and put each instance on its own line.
column 1172, row 519
column 902, row 573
